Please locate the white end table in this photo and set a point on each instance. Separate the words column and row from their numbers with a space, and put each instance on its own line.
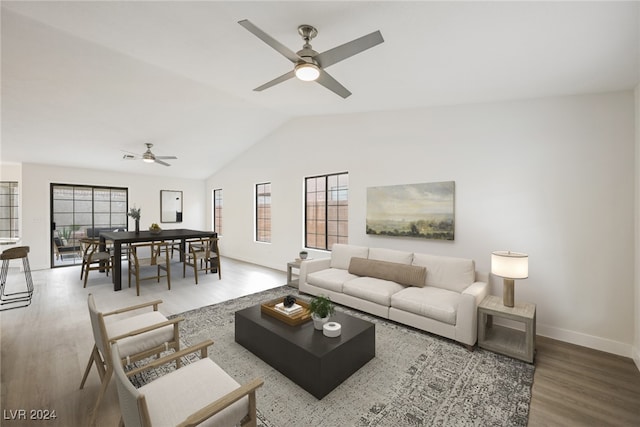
column 508, row 341
column 290, row 265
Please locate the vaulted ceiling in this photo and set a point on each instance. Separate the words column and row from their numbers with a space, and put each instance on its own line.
column 82, row 82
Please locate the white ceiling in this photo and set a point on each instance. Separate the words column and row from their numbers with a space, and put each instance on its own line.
column 82, row 81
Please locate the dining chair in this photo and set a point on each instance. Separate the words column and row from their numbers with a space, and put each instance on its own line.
column 198, row 393
column 93, row 258
column 145, row 255
column 140, row 336
column 202, row 255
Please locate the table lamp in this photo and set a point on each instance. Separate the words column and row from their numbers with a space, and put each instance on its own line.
column 509, row 265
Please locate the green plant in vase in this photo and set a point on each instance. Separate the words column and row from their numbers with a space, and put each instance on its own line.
column 135, row 214
column 321, row 308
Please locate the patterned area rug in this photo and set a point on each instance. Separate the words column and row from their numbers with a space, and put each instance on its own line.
column 416, row 379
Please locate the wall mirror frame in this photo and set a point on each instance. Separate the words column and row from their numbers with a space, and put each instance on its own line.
column 170, row 206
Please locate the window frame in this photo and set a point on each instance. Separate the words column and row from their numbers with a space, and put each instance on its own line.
column 262, row 232
column 216, row 210
column 12, row 200
column 324, row 220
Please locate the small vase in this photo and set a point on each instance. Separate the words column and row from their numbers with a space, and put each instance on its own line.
column 318, row 322
column 137, row 226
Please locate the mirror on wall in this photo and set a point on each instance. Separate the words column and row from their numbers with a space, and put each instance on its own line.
column 170, row 206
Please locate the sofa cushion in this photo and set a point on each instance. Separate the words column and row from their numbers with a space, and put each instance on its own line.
column 372, row 289
column 331, row 278
column 403, row 274
column 341, row 254
column 434, row 303
column 391, row 255
column 454, row 274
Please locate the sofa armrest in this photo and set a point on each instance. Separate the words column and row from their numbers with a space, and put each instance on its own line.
column 467, row 319
column 311, row 266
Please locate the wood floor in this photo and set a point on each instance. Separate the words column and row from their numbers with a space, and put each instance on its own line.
column 45, row 348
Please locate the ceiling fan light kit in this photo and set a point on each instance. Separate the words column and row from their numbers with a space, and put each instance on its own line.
column 307, row 72
column 310, row 65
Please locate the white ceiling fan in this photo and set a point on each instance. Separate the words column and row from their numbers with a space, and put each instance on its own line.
column 148, row 156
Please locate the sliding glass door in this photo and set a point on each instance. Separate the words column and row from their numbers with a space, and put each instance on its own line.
column 79, row 211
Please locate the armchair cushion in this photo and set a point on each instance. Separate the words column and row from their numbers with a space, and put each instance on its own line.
column 140, row 343
column 172, row 398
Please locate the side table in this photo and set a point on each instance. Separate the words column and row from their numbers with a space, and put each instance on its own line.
column 508, row 341
column 290, row 265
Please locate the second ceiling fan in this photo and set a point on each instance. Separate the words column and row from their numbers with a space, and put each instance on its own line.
column 309, row 64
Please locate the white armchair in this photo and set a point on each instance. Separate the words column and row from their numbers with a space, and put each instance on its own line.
column 199, row 393
column 140, row 336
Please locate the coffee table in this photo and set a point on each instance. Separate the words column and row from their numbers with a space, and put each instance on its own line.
column 303, row 354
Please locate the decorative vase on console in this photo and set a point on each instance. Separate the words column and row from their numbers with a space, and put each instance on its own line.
column 137, row 226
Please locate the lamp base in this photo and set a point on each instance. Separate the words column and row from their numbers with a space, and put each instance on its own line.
column 507, row 293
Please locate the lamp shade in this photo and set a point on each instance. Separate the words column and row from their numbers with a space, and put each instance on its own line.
column 307, row 72
column 510, row 265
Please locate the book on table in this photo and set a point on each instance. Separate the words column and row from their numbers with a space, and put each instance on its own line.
column 290, row 311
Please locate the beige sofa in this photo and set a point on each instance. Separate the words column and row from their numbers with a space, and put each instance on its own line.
column 433, row 293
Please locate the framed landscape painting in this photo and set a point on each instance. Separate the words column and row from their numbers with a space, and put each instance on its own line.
column 415, row 210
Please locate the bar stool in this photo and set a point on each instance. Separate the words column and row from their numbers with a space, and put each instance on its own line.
column 17, row 299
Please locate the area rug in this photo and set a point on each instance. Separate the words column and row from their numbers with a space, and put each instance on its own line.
column 416, row 379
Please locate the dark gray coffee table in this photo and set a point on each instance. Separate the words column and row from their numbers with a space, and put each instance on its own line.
column 316, row 363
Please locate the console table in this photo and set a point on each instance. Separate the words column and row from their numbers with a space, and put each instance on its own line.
column 508, row 341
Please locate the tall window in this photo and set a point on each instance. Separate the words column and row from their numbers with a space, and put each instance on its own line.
column 326, row 210
column 79, row 211
column 9, row 210
column 217, row 211
column 263, row 212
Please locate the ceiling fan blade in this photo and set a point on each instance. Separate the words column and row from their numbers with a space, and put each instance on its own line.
column 161, row 162
column 332, row 84
column 285, row 51
column 338, row 53
column 166, row 157
column 277, row 80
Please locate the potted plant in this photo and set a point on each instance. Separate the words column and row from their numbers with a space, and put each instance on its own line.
column 135, row 214
column 321, row 309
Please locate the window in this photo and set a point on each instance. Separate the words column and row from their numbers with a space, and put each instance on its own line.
column 263, row 212
column 326, row 210
column 79, row 211
column 217, row 211
column 9, row 210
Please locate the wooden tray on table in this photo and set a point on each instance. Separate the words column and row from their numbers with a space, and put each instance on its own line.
column 268, row 308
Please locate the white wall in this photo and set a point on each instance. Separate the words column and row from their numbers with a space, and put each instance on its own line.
column 636, row 346
column 550, row 177
column 144, row 192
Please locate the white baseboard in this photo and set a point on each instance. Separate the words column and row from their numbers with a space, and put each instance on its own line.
column 590, row 341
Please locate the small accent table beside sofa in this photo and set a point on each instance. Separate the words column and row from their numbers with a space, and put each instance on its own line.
column 508, row 341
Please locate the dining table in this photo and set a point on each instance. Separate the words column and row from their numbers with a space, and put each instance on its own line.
column 118, row 238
